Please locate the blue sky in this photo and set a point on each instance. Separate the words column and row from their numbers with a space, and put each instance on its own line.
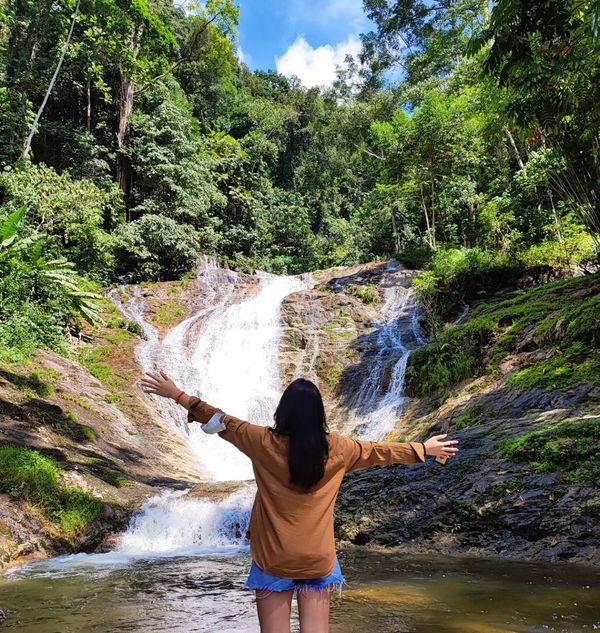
column 302, row 37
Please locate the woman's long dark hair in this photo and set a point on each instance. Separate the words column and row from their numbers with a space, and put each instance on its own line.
column 300, row 415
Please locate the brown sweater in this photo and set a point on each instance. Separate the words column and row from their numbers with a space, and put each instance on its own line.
column 291, row 531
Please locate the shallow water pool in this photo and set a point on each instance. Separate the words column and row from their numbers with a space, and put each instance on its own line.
column 387, row 593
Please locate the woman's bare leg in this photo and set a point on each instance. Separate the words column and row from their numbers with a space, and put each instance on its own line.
column 313, row 609
column 274, row 610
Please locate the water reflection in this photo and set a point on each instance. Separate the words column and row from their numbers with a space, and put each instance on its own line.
column 385, row 593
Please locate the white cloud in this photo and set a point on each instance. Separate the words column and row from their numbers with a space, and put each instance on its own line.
column 242, row 56
column 316, row 66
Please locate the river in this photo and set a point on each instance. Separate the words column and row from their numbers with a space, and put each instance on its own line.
column 181, row 564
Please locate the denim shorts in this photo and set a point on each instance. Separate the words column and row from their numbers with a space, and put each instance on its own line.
column 259, row 579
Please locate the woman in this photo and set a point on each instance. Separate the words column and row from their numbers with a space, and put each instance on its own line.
column 299, row 466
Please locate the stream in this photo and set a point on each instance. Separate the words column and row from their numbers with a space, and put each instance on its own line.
column 181, row 564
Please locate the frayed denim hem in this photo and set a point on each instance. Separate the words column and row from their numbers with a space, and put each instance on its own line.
column 300, row 589
column 261, row 581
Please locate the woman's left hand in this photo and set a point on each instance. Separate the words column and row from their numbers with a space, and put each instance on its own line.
column 160, row 384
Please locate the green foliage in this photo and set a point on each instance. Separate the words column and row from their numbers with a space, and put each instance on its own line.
column 334, row 376
column 469, row 417
column 560, row 372
column 173, row 174
column 158, row 143
column 454, row 275
column 38, row 297
column 95, row 360
column 546, row 54
column 27, row 474
column 564, row 320
column 155, row 248
column 367, row 294
column 571, row 447
column 464, row 515
column 415, row 257
column 38, row 383
column 70, row 212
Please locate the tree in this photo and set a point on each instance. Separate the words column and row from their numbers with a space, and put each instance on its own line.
column 546, row 54
column 423, row 39
column 155, row 248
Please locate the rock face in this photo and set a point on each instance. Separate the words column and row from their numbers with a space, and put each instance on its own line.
column 478, row 503
column 56, row 406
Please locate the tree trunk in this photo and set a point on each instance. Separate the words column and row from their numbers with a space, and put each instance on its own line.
column 433, row 240
column 89, row 105
column 395, row 232
column 424, row 207
column 34, row 125
column 515, row 149
column 126, row 96
column 125, row 110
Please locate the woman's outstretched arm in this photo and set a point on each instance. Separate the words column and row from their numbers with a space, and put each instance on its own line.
column 364, row 453
column 245, row 436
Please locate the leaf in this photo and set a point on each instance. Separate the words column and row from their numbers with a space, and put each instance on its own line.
column 10, row 226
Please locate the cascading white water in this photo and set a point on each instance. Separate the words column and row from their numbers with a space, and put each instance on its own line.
column 228, row 355
column 379, row 401
column 175, row 523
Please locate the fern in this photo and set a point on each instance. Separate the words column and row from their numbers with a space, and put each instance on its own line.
column 59, row 272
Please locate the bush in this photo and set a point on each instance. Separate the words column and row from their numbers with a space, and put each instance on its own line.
column 367, row 294
column 454, row 275
column 38, row 297
column 155, row 248
column 415, row 257
column 71, row 212
column 27, row 474
column 27, row 327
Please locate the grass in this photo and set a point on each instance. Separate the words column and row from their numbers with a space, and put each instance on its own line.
column 366, row 294
column 334, row 376
column 27, row 474
column 341, row 326
column 97, row 361
column 39, row 383
column 79, row 401
column 168, row 313
column 118, row 322
column 558, row 372
column 571, row 447
column 562, row 318
column 469, row 417
column 66, row 423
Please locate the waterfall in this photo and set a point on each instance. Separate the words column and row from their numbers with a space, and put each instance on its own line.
column 174, row 523
column 227, row 354
column 380, row 399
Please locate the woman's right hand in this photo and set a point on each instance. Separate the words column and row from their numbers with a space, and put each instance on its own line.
column 435, row 446
column 160, row 384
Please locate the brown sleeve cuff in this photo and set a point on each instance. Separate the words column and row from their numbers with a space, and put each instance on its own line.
column 419, row 449
column 200, row 411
